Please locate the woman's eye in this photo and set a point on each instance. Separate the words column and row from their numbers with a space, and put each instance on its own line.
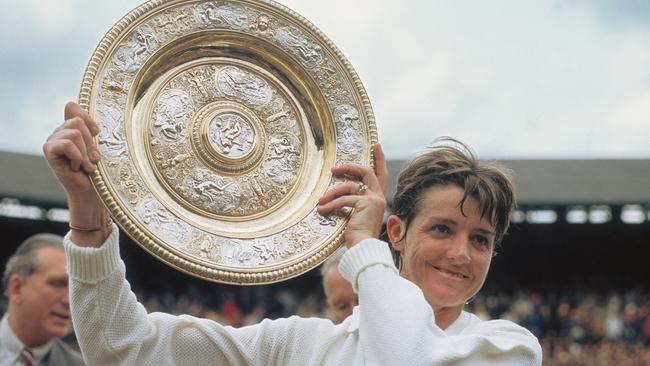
column 481, row 241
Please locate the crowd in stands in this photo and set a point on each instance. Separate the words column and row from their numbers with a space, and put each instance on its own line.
column 574, row 327
column 578, row 327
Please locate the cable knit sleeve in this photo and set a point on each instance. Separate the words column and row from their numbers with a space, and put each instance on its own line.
column 114, row 329
column 397, row 325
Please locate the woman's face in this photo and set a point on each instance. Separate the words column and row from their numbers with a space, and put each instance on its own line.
column 444, row 252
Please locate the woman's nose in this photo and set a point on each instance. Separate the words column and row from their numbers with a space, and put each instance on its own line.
column 458, row 251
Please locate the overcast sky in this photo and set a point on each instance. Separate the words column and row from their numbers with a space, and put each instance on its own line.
column 514, row 79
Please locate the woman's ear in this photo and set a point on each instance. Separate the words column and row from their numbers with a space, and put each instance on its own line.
column 395, row 230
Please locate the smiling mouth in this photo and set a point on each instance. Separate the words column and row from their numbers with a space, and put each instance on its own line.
column 451, row 274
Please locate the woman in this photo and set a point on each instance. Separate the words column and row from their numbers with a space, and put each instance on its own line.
column 450, row 212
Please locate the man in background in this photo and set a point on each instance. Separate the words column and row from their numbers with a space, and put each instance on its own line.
column 339, row 296
column 38, row 315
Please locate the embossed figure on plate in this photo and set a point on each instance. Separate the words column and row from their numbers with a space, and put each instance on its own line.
column 259, row 252
column 237, row 83
column 205, row 245
column 224, row 15
column 161, row 222
column 172, row 112
column 283, row 159
column 292, row 39
column 348, row 130
column 110, row 139
column 324, row 221
column 173, row 21
column 195, row 79
column 281, row 148
column 142, row 43
column 263, row 23
column 220, row 195
column 231, row 135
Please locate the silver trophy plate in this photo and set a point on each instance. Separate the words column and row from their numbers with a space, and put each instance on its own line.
column 220, row 121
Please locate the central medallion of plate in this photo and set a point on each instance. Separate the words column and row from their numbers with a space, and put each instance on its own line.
column 225, row 139
column 231, row 135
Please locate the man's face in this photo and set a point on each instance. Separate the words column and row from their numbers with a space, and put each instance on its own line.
column 41, row 300
column 340, row 297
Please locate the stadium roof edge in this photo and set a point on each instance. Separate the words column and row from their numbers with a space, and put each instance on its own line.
column 28, row 177
column 572, row 181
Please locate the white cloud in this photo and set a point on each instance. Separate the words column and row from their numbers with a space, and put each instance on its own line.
column 39, row 15
column 514, row 79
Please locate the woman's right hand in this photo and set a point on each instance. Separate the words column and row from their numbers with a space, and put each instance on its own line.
column 72, row 155
column 365, row 192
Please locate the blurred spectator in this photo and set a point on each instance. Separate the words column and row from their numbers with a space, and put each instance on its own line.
column 38, row 316
column 340, row 298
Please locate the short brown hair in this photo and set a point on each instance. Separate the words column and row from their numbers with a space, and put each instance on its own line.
column 450, row 162
column 25, row 261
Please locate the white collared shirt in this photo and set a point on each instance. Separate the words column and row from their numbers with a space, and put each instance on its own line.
column 11, row 347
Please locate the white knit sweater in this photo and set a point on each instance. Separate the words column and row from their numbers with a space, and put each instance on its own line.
column 393, row 324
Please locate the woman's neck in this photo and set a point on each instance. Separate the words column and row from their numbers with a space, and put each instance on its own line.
column 445, row 316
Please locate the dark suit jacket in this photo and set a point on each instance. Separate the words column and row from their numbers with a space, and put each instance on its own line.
column 63, row 355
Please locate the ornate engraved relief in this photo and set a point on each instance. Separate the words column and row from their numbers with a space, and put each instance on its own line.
column 205, row 245
column 111, row 137
column 231, row 135
column 142, row 43
column 131, row 184
column 262, row 26
column 218, row 194
column 323, row 220
column 329, row 80
column 240, row 84
column 200, row 85
column 114, row 86
column 161, row 222
column 283, row 159
column 348, row 131
column 296, row 239
column 292, row 39
column 175, row 161
column 173, row 110
column 249, row 253
column 174, row 21
column 233, row 16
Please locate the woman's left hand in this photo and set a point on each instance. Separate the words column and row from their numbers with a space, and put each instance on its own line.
column 364, row 192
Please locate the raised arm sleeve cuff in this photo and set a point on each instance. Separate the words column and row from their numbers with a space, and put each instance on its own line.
column 366, row 253
column 91, row 265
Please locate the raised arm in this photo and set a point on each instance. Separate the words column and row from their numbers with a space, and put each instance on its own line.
column 72, row 155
